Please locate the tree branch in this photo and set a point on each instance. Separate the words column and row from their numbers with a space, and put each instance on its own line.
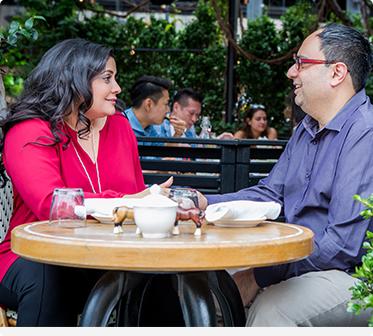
column 339, row 12
column 228, row 34
column 123, row 16
column 365, row 17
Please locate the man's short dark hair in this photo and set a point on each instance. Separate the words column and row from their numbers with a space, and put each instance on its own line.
column 183, row 95
column 345, row 44
column 148, row 87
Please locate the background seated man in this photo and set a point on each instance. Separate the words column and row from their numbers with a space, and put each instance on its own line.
column 149, row 104
column 186, row 111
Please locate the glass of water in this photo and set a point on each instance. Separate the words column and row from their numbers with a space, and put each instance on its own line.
column 67, row 208
column 188, row 207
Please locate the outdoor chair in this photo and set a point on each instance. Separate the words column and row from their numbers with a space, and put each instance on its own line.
column 7, row 317
column 6, row 196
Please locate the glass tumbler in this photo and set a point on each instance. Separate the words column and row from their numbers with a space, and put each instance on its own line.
column 67, row 208
column 188, row 208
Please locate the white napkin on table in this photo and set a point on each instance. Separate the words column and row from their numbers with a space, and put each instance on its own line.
column 105, row 206
column 242, row 210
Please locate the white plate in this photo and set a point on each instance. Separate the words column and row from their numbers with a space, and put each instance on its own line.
column 239, row 222
column 102, row 208
column 106, row 205
column 106, row 219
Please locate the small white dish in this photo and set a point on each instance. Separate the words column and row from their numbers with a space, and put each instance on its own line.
column 155, row 216
column 239, row 223
column 108, row 219
column 155, row 222
column 105, row 219
column 102, row 208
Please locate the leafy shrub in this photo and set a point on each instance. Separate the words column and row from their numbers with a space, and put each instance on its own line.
column 10, row 56
column 267, row 83
column 362, row 291
column 203, row 70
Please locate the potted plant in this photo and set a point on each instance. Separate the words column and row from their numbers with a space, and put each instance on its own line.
column 362, row 291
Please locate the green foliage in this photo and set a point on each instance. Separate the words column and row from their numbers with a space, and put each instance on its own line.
column 133, row 63
column 10, row 54
column 203, row 70
column 264, row 83
column 16, row 32
column 13, row 84
column 362, row 291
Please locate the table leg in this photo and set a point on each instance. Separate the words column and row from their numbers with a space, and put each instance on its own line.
column 108, row 293
column 125, row 291
column 229, row 299
column 196, row 300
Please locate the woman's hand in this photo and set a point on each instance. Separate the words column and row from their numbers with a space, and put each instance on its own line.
column 140, row 194
column 165, row 186
column 168, row 183
column 164, row 189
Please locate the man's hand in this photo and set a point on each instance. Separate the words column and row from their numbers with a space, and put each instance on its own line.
column 202, row 201
column 179, row 126
column 225, row 136
column 246, row 284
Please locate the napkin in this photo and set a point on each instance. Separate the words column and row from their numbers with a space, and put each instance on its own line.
column 105, row 206
column 242, row 210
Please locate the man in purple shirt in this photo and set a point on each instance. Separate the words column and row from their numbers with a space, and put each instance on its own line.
column 328, row 159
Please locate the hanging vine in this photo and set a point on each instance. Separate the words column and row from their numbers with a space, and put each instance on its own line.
column 324, row 7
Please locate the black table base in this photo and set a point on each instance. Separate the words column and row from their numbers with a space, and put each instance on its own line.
column 129, row 294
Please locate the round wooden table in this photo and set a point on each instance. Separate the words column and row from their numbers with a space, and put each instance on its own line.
column 199, row 263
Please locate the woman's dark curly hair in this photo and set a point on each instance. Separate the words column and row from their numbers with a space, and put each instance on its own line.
column 59, row 85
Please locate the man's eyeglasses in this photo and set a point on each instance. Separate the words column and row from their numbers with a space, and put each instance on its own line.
column 299, row 61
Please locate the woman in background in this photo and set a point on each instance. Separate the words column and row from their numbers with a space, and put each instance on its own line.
column 256, row 125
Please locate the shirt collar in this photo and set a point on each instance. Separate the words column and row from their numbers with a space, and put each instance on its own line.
column 336, row 124
column 136, row 126
column 135, row 123
column 346, row 111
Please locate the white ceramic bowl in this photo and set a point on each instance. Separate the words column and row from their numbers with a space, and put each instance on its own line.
column 155, row 222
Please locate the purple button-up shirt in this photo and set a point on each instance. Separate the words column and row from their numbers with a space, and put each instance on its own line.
column 314, row 181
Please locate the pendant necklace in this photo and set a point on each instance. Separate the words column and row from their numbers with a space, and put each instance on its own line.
column 85, row 169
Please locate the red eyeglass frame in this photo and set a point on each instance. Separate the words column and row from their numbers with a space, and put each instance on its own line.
column 300, row 60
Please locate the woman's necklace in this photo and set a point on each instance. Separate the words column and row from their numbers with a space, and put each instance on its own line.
column 96, row 165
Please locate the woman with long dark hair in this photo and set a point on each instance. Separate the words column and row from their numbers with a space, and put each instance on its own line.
column 64, row 131
column 256, row 125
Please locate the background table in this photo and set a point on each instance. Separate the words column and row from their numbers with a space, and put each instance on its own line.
column 197, row 262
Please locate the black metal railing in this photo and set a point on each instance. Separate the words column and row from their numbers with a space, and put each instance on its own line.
column 209, row 165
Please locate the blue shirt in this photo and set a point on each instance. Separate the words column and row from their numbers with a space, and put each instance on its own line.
column 315, row 180
column 149, row 131
column 164, row 130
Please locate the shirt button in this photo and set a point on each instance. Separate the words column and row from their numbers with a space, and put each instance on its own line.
column 314, row 142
